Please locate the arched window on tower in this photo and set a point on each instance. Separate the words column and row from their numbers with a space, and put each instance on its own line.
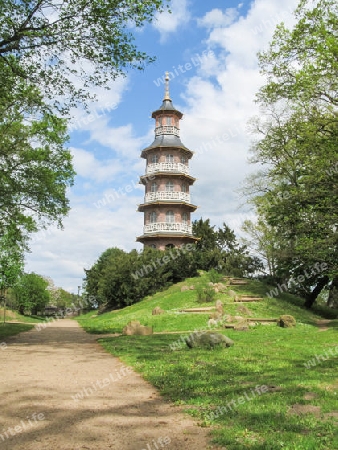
column 185, row 218
column 169, row 158
column 153, row 217
column 184, row 187
column 169, row 186
column 153, row 187
column 154, row 159
column 170, row 217
column 168, row 121
column 183, row 160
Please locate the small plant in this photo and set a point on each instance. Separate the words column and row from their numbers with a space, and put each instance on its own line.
column 206, row 294
column 214, row 276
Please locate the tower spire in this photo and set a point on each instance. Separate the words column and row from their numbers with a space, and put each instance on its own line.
column 166, row 92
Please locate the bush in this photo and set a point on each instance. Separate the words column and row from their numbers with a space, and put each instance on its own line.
column 214, row 276
column 206, row 294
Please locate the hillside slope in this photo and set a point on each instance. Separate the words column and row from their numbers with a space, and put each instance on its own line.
column 173, row 300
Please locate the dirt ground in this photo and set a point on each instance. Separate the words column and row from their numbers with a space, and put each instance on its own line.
column 60, row 390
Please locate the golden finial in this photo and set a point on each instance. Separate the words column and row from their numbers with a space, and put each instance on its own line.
column 166, row 92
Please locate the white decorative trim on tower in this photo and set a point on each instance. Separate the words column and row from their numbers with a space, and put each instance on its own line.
column 167, row 204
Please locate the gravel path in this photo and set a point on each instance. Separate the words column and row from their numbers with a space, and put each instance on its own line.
column 60, row 390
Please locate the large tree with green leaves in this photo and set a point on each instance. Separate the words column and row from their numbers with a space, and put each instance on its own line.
column 35, row 167
column 54, row 44
column 297, row 188
column 52, row 55
column 11, row 260
column 32, row 293
column 220, row 250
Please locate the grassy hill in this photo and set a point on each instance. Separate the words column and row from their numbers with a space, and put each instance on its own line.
column 173, row 301
column 276, row 388
column 16, row 323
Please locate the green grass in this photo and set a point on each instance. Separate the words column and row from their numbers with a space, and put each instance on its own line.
column 14, row 316
column 10, row 329
column 205, row 380
column 172, row 300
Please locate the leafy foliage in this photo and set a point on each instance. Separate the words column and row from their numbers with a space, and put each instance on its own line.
column 55, row 44
column 219, row 250
column 11, row 260
column 296, row 192
column 35, row 168
column 119, row 279
column 32, row 293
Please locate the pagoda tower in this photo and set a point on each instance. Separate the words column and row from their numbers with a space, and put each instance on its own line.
column 167, row 206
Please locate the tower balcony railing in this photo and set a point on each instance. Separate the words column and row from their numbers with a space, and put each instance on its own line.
column 167, row 129
column 167, row 227
column 168, row 167
column 164, row 195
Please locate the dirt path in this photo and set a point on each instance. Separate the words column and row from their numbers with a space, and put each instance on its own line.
column 60, row 390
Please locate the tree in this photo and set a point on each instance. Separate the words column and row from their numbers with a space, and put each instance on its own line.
column 11, row 262
column 299, row 186
column 301, row 63
column 263, row 242
column 220, row 250
column 52, row 54
column 54, row 44
column 32, row 293
column 35, row 168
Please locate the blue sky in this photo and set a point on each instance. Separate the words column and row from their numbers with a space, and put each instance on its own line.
column 210, row 48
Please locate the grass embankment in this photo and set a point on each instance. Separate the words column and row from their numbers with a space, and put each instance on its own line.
column 298, row 366
column 21, row 323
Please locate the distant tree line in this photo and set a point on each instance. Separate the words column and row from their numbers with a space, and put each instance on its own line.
column 32, row 293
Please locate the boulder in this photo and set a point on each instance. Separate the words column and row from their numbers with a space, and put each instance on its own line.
column 157, row 311
column 244, row 310
column 212, row 322
column 232, row 293
column 219, row 307
column 135, row 328
column 238, row 318
column 242, row 326
column 228, row 318
column 208, row 340
column 221, row 287
column 286, row 321
column 216, row 316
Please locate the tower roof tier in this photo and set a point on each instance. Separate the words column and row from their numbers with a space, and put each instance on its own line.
column 182, row 176
column 167, row 142
column 167, row 106
column 186, row 238
column 186, row 206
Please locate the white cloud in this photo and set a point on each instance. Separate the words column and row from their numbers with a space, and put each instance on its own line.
column 220, row 101
column 88, row 231
column 167, row 23
column 87, row 166
column 216, row 17
column 107, row 100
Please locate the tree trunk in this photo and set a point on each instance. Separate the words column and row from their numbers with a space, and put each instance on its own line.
column 311, row 298
column 332, row 301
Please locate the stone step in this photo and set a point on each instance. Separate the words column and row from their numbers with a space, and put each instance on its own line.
column 248, row 299
column 255, row 319
column 199, row 310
